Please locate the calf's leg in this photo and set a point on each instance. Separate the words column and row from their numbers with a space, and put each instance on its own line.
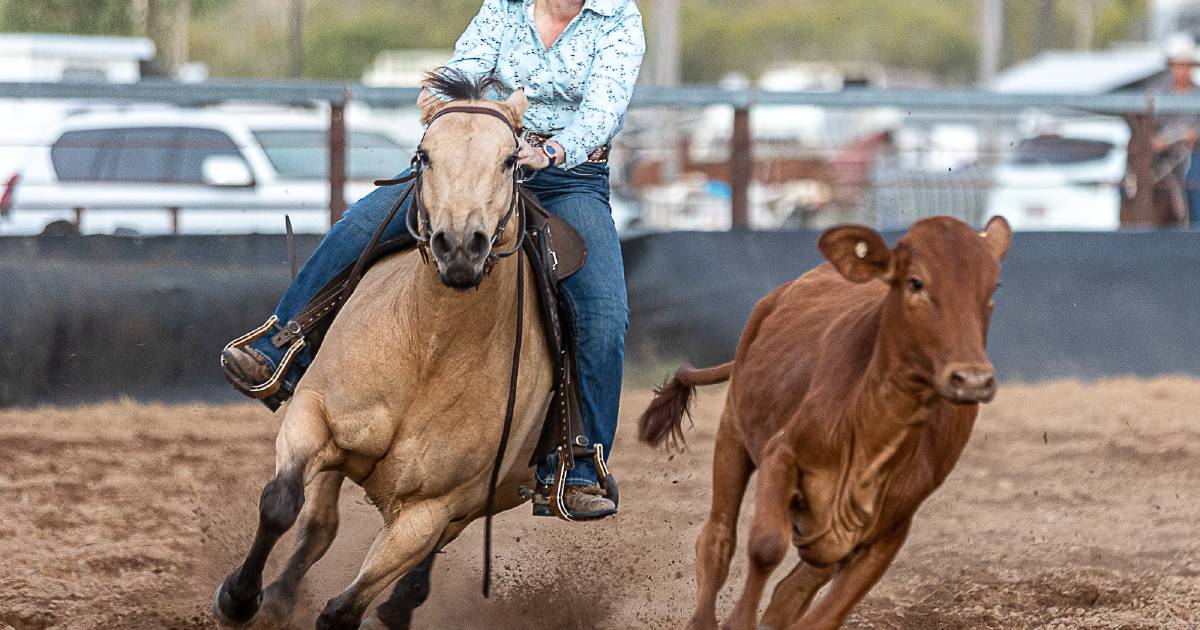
column 794, row 594
column 714, row 548
column 852, row 582
column 769, row 533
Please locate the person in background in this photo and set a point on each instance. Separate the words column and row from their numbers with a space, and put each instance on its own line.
column 1176, row 173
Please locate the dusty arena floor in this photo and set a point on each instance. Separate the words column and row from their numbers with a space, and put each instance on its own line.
column 1075, row 506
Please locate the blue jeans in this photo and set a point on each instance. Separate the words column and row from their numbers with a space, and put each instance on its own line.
column 597, row 292
column 1192, row 190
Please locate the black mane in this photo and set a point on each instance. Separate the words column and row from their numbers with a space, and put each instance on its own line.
column 456, row 85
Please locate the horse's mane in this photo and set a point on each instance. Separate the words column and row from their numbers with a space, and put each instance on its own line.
column 456, row 85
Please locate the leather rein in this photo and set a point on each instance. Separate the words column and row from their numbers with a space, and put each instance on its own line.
column 417, row 222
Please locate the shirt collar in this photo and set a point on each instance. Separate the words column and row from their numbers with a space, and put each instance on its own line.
column 607, row 8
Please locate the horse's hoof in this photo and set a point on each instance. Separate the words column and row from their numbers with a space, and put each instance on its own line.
column 373, row 623
column 231, row 613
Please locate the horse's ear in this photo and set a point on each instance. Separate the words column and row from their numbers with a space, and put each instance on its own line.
column 429, row 105
column 515, row 107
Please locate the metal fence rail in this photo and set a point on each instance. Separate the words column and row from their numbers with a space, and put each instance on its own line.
column 1138, row 109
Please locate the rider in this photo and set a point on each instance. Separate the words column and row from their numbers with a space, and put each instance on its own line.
column 578, row 61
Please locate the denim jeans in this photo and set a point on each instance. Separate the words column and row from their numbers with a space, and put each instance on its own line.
column 597, row 291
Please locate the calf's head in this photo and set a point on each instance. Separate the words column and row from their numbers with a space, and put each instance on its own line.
column 942, row 277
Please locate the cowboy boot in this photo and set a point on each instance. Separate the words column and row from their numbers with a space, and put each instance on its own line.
column 588, row 502
column 246, row 365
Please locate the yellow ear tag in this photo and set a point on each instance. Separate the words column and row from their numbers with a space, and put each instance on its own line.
column 983, row 234
column 860, row 249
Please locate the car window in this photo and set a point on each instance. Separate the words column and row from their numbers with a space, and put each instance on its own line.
column 76, row 156
column 157, row 155
column 303, row 154
column 142, row 155
column 198, row 145
column 1050, row 149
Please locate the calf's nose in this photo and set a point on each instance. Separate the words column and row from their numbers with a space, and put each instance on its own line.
column 966, row 383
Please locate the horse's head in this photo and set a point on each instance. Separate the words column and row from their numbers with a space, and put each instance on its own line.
column 467, row 163
column 943, row 276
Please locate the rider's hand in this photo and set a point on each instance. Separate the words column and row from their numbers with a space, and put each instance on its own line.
column 531, row 157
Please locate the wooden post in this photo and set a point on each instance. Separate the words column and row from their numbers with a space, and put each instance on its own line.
column 337, row 160
column 174, row 220
column 741, row 169
column 1137, row 200
column 79, row 218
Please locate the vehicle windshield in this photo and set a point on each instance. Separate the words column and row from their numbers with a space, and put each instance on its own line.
column 1052, row 149
column 303, row 154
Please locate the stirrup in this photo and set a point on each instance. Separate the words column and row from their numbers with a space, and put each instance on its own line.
column 270, row 387
column 548, row 500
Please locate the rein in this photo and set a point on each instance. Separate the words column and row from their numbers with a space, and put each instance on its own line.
column 417, row 222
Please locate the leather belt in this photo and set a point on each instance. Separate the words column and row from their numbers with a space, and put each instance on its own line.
column 599, row 156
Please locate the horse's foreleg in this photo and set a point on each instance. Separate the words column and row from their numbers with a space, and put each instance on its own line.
column 411, row 591
column 302, row 438
column 318, row 527
column 405, row 541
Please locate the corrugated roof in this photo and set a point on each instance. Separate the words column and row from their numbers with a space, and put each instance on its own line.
column 1070, row 72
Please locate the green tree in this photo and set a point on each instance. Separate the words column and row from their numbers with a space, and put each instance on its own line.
column 89, row 17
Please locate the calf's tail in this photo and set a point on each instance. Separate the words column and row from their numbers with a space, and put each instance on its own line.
column 663, row 419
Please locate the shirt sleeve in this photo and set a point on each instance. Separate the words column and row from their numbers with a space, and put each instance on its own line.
column 610, row 85
column 477, row 48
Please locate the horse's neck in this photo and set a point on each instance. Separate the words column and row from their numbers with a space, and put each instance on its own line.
column 440, row 320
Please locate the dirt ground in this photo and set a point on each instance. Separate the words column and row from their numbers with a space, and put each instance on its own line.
column 1075, row 506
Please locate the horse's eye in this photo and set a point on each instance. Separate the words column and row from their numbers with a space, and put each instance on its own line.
column 510, row 162
column 915, row 284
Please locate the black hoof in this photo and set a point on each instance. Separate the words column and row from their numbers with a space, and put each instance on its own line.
column 337, row 617
column 233, row 611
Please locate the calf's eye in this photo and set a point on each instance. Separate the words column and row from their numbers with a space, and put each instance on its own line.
column 915, row 284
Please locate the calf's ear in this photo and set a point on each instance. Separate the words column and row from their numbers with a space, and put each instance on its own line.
column 857, row 252
column 998, row 235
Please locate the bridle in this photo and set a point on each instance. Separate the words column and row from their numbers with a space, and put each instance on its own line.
column 417, row 221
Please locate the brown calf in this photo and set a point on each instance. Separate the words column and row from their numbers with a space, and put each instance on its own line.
column 854, row 390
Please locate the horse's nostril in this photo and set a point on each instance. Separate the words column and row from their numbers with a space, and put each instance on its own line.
column 441, row 245
column 957, row 380
column 478, row 245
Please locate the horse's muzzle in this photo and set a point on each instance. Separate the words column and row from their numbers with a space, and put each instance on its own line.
column 460, row 261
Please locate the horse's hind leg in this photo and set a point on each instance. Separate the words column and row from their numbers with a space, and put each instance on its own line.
column 794, row 594
column 714, row 548
column 405, row 541
column 318, row 527
column 301, row 438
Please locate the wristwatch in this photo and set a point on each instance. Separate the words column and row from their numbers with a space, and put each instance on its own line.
column 551, row 153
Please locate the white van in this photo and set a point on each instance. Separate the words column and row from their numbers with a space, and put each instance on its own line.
column 191, row 171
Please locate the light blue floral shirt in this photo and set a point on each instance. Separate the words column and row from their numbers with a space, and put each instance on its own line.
column 579, row 89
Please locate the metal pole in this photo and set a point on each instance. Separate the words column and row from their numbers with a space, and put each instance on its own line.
column 174, row 220
column 991, row 31
column 666, row 73
column 741, row 169
column 337, row 159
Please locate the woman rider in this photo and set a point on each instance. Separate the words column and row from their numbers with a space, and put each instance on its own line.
column 578, row 61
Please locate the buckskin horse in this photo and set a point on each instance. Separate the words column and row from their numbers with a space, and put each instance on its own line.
column 853, row 391
column 408, row 393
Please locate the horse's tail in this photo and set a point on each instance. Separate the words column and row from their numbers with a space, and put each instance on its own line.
column 663, row 419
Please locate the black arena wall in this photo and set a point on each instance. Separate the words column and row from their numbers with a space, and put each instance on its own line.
column 97, row 317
